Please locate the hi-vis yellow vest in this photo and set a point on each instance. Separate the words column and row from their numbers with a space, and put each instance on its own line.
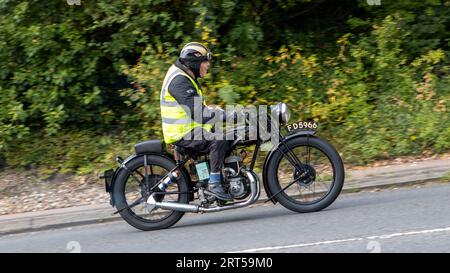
column 175, row 121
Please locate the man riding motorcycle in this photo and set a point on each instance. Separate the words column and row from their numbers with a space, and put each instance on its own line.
column 181, row 98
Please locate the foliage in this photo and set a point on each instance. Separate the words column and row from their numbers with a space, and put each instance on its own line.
column 80, row 83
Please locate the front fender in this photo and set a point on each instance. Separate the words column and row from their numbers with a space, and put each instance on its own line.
column 270, row 155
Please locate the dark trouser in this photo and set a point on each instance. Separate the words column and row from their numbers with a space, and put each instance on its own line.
column 217, row 149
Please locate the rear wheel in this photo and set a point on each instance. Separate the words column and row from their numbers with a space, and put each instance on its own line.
column 312, row 188
column 132, row 189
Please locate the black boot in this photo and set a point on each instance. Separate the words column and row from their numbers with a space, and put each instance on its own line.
column 216, row 189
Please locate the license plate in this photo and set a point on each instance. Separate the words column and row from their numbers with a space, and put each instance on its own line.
column 302, row 125
column 108, row 176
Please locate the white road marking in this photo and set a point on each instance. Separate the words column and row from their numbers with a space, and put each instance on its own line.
column 386, row 236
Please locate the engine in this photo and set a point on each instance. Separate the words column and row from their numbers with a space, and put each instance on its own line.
column 236, row 182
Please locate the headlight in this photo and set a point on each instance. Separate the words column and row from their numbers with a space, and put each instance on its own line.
column 281, row 112
column 285, row 113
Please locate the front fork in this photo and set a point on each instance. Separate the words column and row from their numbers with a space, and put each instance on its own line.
column 300, row 168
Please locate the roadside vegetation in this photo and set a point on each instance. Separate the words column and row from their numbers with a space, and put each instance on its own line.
column 80, row 84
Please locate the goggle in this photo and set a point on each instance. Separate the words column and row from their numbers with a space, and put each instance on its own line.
column 209, row 55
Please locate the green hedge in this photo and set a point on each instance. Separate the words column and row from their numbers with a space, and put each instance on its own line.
column 81, row 83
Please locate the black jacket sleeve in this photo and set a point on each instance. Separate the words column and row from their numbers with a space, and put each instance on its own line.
column 184, row 92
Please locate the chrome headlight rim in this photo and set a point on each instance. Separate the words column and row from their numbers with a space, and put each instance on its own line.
column 281, row 112
column 285, row 113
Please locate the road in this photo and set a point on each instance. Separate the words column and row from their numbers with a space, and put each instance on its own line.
column 415, row 219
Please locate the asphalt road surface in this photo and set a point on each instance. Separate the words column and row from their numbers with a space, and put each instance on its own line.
column 413, row 219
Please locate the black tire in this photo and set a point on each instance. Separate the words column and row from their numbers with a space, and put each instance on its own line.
column 336, row 183
column 120, row 199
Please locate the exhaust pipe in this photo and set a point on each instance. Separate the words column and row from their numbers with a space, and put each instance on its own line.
column 152, row 204
column 255, row 192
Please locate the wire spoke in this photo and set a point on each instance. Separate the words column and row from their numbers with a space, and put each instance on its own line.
column 152, row 174
column 317, row 164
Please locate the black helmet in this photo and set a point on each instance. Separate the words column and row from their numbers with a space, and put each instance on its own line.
column 193, row 54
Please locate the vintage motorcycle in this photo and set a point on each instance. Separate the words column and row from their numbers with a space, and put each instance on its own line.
column 302, row 172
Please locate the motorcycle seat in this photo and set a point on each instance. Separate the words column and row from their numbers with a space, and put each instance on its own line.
column 186, row 151
column 149, row 146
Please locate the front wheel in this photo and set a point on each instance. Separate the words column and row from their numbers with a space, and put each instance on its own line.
column 316, row 181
